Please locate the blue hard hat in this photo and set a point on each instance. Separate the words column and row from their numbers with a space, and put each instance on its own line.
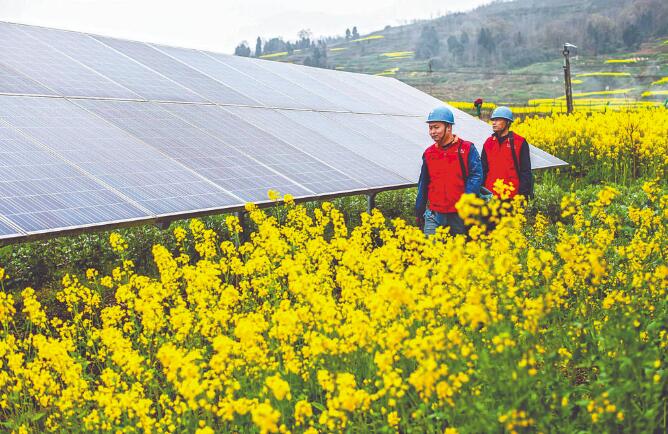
column 441, row 114
column 503, row 113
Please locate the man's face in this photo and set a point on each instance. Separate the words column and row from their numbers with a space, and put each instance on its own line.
column 499, row 124
column 437, row 130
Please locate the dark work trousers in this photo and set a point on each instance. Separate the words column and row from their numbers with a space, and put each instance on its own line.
column 434, row 219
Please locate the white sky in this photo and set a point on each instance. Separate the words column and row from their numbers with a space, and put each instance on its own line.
column 221, row 25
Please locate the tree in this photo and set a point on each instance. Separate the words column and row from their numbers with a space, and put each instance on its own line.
column 601, row 33
column 464, row 39
column 455, row 47
column 632, row 36
column 355, row 35
column 486, row 40
column 486, row 45
column 317, row 57
column 275, row 45
column 242, row 50
column 258, row 47
column 347, row 34
column 428, row 44
column 323, row 54
column 304, row 39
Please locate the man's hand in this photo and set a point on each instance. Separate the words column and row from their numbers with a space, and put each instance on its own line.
column 419, row 221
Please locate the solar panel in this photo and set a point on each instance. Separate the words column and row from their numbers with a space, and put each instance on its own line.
column 405, row 153
column 424, row 100
column 302, row 95
column 303, row 77
column 348, row 84
column 472, row 130
column 411, row 128
column 395, row 91
column 355, row 141
column 99, row 131
column 113, row 65
column 308, row 172
column 52, row 68
column 171, row 68
column 242, row 175
column 41, row 192
column 151, row 179
column 13, row 82
column 542, row 160
column 266, row 95
column 313, row 143
column 6, row 231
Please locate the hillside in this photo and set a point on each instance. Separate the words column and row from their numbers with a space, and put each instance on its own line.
column 511, row 51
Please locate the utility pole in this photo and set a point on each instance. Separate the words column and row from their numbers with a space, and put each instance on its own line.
column 567, row 76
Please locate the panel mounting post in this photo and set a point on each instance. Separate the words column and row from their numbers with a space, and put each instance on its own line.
column 163, row 224
column 370, row 202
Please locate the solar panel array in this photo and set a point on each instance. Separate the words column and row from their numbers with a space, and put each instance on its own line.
column 96, row 131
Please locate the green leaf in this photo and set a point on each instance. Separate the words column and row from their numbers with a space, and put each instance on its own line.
column 37, row 416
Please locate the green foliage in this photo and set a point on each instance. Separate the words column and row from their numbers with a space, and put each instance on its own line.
column 429, row 44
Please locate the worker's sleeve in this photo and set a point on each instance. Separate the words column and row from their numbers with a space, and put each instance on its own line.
column 474, row 180
column 485, row 165
column 526, row 177
column 423, row 185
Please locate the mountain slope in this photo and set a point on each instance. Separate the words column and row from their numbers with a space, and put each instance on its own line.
column 511, row 51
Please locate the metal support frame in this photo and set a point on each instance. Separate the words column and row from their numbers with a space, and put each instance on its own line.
column 370, row 202
column 163, row 224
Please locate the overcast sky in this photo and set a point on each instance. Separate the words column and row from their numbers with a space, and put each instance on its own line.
column 221, row 25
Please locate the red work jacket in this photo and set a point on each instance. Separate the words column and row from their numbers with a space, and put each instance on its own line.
column 500, row 162
column 446, row 181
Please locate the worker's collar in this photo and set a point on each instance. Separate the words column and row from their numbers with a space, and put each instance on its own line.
column 454, row 140
column 501, row 139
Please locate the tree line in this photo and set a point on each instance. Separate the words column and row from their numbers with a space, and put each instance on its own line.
column 315, row 51
column 523, row 32
column 505, row 33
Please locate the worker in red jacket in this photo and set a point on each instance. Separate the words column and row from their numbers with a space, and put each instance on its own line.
column 505, row 156
column 450, row 168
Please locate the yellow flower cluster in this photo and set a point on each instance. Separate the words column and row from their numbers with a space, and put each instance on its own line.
column 622, row 145
column 118, row 244
column 389, row 71
column 651, row 93
column 310, row 326
column 604, row 74
column 465, row 105
column 632, row 60
column 397, row 53
column 555, row 105
column 368, row 38
column 274, row 55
